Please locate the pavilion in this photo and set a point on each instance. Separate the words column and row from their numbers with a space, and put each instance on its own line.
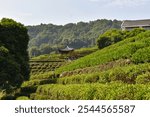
column 66, row 50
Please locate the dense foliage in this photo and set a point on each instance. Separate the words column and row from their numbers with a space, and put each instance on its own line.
column 119, row 70
column 119, row 73
column 95, row 91
column 124, row 49
column 48, row 38
column 14, row 68
column 113, row 36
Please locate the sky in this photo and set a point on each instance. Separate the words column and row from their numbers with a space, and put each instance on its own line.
column 60, row 12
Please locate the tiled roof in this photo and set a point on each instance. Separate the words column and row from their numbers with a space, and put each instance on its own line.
column 67, row 49
column 136, row 23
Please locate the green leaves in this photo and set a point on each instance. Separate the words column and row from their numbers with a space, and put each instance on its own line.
column 143, row 78
column 124, row 49
column 113, row 36
column 142, row 55
column 3, row 51
column 10, row 23
column 125, row 74
column 95, row 91
column 75, row 35
column 14, row 67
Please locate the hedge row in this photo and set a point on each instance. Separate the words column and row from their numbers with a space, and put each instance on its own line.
column 99, row 68
column 128, row 74
column 46, row 75
column 113, row 91
column 38, row 82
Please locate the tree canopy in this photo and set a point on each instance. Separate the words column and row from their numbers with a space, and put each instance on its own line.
column 75, row 35
column 14, row 59
column 113, row 36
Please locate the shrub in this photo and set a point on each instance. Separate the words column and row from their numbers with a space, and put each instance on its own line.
column 45, row 75
column 113, row 36
column 95, row 91
column 143, row 79
column 23, row 98
column 109, row 37
column 38, row 82
column 142, row 55
column 118, row 74
column 126, row 74
column 104, row 42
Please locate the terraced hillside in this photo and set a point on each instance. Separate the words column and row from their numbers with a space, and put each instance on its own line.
column 119, row 71
column 39, row 67
column 50, row 62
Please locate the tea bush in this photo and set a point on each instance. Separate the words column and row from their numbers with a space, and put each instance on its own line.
column 143, row 78
column 142, row 55
column 46, row 75
column 23, row 98
column 38, row 82
column 39, row 67
column 115, row 91
column 124, row 49
column 126, row 74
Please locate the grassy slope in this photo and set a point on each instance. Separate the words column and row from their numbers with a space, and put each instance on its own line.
column 123, row 49
column 118, row 81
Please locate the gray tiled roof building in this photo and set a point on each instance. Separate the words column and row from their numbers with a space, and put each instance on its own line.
column 130, row 24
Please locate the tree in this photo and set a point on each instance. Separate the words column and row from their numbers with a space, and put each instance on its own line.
column 45, row 49
column 113, row 36
column 103, row 41
column 76, row 35
column 109, row 37
column 14, row 68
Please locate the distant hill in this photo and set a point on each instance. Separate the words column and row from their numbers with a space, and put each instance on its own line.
column 46, row 38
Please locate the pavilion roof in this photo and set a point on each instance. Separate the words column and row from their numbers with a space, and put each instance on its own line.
column 67, row 49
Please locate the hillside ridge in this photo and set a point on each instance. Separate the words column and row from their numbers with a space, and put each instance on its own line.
column 47, row 38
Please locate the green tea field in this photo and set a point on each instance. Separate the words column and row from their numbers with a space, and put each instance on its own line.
column 118, row 71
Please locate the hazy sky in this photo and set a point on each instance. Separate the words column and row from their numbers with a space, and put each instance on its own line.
column 32, row 12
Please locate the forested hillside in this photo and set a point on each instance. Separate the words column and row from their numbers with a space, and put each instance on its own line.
column 46, row 38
